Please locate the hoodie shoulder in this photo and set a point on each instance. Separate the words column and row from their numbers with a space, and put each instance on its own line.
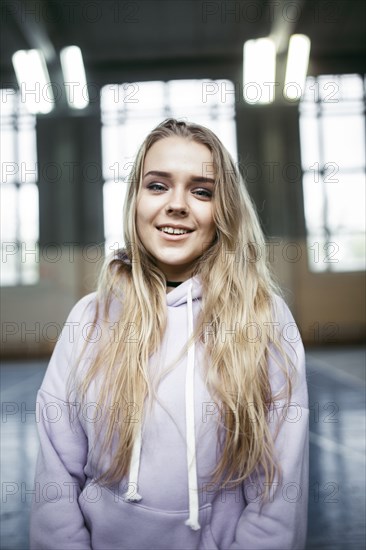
column 73, row 335
column 83, row 307
column 281, row 310
column 291, row 341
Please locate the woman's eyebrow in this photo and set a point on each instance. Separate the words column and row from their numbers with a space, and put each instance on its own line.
column 168, row 175
column 158, row 174
column 202, row 179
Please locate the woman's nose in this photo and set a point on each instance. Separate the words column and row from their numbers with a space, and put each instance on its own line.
column 177, row 201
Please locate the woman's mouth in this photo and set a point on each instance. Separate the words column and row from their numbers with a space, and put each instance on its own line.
column 174, row 235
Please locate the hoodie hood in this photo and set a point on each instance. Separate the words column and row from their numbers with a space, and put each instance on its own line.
column 185, row 293
column 179, row 295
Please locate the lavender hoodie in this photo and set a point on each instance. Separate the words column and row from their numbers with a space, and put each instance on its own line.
column 167, row 502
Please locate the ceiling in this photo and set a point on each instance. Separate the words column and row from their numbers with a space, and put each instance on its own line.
column 164, row 35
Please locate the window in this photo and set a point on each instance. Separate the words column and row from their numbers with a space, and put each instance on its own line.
column 131, row 110
column 19, row 193
column 332, row 133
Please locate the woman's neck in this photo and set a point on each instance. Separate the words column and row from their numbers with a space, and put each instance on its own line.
column 171, row 285
column 174, row 283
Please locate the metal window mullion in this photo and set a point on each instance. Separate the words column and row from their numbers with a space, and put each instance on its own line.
column 17, row 184
column 326, row 229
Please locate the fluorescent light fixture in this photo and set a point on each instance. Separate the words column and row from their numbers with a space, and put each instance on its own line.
column 297, row 66
column 33, row 80
column 259, row 59
column 74, row 77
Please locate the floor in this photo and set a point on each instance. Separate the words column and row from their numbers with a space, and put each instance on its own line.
column 336, row 382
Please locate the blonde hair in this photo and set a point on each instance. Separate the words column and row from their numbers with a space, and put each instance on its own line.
column 237, row 290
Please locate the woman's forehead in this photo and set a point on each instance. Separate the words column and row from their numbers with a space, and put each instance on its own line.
column 175, row 153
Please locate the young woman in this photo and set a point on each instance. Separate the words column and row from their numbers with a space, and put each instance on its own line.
column 174, row 411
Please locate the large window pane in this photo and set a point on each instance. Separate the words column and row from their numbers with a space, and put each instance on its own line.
column 313, row 203
column 343, row 138
column 332, row 133
column 113, row 199
column 19, row 193
column 309, row 147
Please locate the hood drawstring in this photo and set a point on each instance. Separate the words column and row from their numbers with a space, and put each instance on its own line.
column 192, row 521
column 132, row 494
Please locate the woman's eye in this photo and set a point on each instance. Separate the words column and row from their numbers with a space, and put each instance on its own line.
column 153, row 186
column 204, row 193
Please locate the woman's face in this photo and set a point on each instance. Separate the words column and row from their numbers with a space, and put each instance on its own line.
column 176, row 192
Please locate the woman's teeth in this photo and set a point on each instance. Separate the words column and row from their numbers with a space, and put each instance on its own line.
column 173, row 231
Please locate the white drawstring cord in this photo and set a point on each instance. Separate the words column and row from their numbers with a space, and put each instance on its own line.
column 192, row 521
column 132, row 495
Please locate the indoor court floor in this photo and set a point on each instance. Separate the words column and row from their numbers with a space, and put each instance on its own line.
column 336, row 383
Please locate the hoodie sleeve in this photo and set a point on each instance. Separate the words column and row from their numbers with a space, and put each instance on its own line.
column 56, row 521
column 282, row 523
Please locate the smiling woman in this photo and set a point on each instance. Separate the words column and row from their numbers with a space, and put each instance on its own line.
column 183, row 405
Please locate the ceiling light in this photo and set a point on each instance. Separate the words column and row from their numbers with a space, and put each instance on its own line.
column 259, row 60
column 74, row 77
column 297, row 66
column 33, row 80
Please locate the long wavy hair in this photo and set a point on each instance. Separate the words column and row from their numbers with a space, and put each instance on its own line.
column 237, row 291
